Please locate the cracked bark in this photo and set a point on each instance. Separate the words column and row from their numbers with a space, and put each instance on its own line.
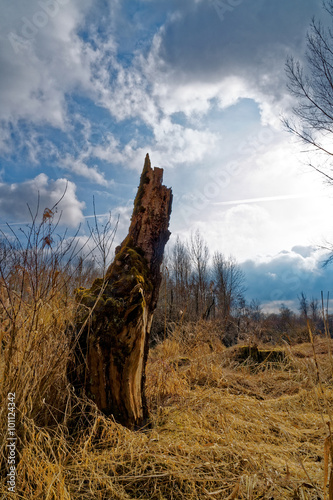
column 112, row 352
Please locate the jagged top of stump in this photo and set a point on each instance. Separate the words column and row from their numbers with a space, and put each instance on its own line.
column 148, row 230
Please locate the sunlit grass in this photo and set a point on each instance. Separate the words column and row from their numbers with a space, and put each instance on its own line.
column 220, row 427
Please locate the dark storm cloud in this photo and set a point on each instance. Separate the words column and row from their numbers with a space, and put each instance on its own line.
column 251, row 37
column 288, row 274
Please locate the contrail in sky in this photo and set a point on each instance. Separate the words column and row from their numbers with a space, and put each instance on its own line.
column 232, row 202
column 265, row 198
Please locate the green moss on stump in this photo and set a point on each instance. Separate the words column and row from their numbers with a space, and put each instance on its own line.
column 118, row 300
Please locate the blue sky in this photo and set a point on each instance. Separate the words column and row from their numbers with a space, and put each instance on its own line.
column 88, row 88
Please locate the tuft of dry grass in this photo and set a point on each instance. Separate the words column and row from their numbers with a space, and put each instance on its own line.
column 220, row 428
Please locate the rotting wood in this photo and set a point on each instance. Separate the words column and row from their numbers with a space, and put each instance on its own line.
column 112, row 351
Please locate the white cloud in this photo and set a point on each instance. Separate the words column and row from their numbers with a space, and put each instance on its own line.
column 239, row 231
column 5, row 138
column 192, row 69
column 55, row 61
column 77, row 165
column 39, row 70
column 172, row 144
column 15, row 199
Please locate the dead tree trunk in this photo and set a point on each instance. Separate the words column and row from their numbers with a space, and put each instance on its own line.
column 113, row 348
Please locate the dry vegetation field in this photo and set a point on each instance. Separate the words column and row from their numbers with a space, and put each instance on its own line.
column 226, row 423
column 222, row 427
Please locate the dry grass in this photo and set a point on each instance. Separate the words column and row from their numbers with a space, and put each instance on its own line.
column 220, row 429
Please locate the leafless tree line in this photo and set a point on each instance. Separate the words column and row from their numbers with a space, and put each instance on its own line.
column 197, row 285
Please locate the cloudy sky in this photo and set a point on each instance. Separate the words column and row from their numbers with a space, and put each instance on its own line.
column 87, row 88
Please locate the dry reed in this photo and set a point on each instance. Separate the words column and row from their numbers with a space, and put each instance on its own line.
column 220, row 428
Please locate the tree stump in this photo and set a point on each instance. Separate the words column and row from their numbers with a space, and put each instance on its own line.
column 112, row 351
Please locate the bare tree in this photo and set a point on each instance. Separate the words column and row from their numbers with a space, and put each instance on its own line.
column 303, row 306
column 314, row 309
column 229, row 282
column 103, row 237
column 313, row 89
column 181, row 273
column 199, row 254
column 255, row 310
